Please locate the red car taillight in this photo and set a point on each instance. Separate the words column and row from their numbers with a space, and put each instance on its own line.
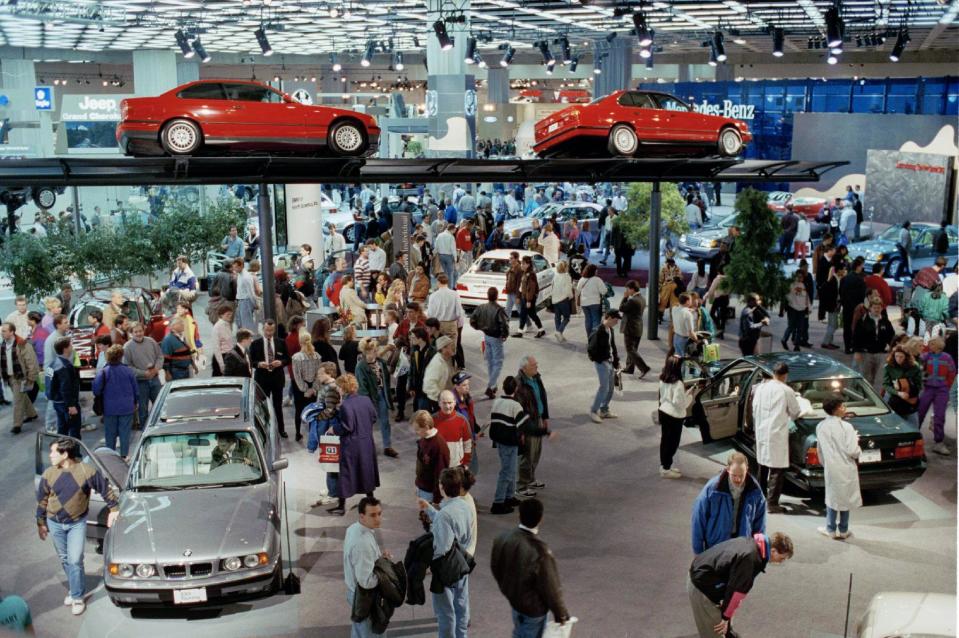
column 914, row 451
column 124, row 109
column 462, row 287
column 812, row 456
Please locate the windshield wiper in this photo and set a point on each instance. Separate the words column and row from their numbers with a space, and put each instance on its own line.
column 156, row 488
column 202, row 487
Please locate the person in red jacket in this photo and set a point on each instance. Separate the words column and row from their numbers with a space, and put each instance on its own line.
column 454, row 429
column 464, row 243
column 876, row 282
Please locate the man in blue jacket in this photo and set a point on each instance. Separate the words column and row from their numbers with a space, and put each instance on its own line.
column 731, row 504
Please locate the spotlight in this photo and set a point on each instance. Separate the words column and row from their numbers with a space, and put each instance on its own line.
column 817, row 43
column 833, row 58
column 276, row 78
column 719, row 44
column 598, row 66
column 902, row 39
column 446, row 42
column 263, row 42
column 649, row 61
column 367, row 55
column 643, row 32
column 398, row 63
column 564, row 47
column 858, row 41
column 416, row 41
column 809, row 43
column 184, row 45
column 334, row 12
column 645, row 53
column 507, row 57
column 836, row 50
column 337, row 67
column 481, row 63
column 779, row 37
column 470, row 57
column 548, row 58
column 713, row 60
column 611, row 36
column 834, row 27
column 200, row 51
column 573, row 64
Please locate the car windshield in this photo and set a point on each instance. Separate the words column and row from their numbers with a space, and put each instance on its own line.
column 130, row 309
column 858, row 396
column 489, row 265
column 545, row 211
column 196, row 460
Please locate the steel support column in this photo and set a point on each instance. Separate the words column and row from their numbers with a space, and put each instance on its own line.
column 266, row 251
column 652, row 287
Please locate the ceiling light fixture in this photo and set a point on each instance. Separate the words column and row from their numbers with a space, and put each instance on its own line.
column 719, row 46
column 183, row 43
column 779, row 37
column 334, row 12
column 834, row 27
column 398, row 62
column 649, row 61
column 337, row 67
column 833, row 58
column 713, row 59
column 367, row 55
column 548, row 58
column 480, row 62
column 902, row 39
column 645, row 53
column 263, row 42
column 507, row 56
column 643, row 32
column 200, row 51
column 470, row 57
column 446, row 42
column 566, row 50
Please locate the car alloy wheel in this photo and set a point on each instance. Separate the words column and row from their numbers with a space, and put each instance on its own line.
column 346, row 138
column 730, row 143
column 181, row 137
column 525, row 241
column 623, row 141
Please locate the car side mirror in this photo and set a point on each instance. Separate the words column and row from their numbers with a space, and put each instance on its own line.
column 279, row 465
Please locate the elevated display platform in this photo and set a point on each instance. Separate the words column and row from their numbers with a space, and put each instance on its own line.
column 128, row 171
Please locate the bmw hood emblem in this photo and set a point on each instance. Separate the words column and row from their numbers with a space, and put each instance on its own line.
column 188, row 552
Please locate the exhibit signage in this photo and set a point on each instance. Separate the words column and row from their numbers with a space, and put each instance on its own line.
column 91, row 108
column 43, row 98
column 727, row 108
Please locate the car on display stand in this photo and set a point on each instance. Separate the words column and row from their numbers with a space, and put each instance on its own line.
column 809, row 207
column 883, row 249
column 639, row 123
column 141, row 305
column 900, row 614
column 519, row 230
column 893, row 452
column 777, row 200
column 200, row 505
column 704, row 243
column 343, row 219
column 489, row 270
column 243, row 116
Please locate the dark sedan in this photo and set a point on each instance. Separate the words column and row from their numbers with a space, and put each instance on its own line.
column 704, row 243
column 893, row 453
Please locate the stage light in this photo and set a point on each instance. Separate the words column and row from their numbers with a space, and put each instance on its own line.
column 834, row 27
column 398, row 62
column 446, row 42
column 565, row 48
column 200, row 51
column 470, row 57
column 643, row 32
column 832, row 59
column 184, row 45
column 507, row 56
column 779, row 37
column 263, row 42
column 337, row 67
column 573, row 64
column 645, row 53
column 719, row 44
column 548, row 58
column 367, row 55
column 713, row 60
column 902, row 39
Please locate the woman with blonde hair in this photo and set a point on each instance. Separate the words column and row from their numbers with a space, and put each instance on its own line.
column 306, row 363
column 549, row 240
column 359, row 472
column 562, row 299
column 54, row 307
column 373, row 377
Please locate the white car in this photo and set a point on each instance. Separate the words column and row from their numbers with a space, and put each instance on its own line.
column 895, row 614
column 490, row 268
column 519, row 230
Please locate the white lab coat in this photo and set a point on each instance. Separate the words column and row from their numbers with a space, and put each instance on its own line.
column 838, row 451
column 774, row 405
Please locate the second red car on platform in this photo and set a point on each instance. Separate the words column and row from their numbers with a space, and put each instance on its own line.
column 631, row 123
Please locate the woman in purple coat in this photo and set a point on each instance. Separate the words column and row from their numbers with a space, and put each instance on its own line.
column 359, row 473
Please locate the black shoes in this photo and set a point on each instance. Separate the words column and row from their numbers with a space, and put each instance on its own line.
column 284, row 435
column 15, row 431
column 500, row 508
column 390, row 452
column 540, row 334
column 298, row 437
column 513, row 502
column 490, row 393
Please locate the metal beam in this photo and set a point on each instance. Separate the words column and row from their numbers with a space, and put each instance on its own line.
column 652, row 286
column 266, row 251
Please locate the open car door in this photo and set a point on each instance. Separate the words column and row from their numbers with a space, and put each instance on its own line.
column 720, row 400
column 107, row 461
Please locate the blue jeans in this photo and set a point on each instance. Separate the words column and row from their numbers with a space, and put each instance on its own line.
column 448, row 264
column 452, row 609
column 383, row 416
column 179, row 373
column 679, row 345
column 359, row 629
column 66, row 423
column 561, row 312
column 594, row 315
column 246, row 314
column 604, row 394
column 149, row 390
column 494, row 359
column 423, row 494
column 512, row 299
column 118, row 426
column 68, row 539
column 831, row 520
column 528, row 626
column 506, row 481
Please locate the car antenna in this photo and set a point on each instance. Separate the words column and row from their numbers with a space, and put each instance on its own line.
column 845, row 628
column 291, row 584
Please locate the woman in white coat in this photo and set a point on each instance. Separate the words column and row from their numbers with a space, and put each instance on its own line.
column 550, row 243
column 839, row 452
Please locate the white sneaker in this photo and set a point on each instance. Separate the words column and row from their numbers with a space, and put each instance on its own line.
column 90, row 427
column 941, row 448
column 609, row 415
column 595, row 416
column 78, row 607
column 841, row 536
column 825, row 532
column 287, row 402
column 671, row 473
column 68, row 600
column 558, row 336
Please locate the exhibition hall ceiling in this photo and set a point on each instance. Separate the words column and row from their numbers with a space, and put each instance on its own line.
column 349, row 27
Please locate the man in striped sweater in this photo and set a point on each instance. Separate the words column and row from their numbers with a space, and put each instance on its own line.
column 507, row 421
column 63, row 499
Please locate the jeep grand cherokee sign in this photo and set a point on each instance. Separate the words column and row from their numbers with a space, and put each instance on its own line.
column 91, row 108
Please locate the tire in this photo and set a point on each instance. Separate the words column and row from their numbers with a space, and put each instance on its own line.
column 892, row 266
column 730, row 142
column 347, row 138
column 181, row 137
column 623, row 141
column 348, row 233
column 524, row 241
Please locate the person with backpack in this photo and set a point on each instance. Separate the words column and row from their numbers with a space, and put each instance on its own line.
column 602, row 352
column 490, row 319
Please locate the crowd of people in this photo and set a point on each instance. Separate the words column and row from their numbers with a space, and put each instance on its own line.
column 398, row 322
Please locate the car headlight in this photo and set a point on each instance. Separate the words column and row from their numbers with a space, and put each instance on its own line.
column 514, row 233
column 121, row 570
column 682, row 238
column 714, row 243
column 879, row 257
column 145, row 571
column 232, row 564
column 254, row 560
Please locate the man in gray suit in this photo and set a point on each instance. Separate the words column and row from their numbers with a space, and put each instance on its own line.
column 632, row 307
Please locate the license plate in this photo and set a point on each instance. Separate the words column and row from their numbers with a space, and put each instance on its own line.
column 870, row 456
column 88, row 374
column 552, row 127
column 189, row 596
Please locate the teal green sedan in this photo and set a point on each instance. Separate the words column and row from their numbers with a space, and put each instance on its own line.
column 893, row 455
